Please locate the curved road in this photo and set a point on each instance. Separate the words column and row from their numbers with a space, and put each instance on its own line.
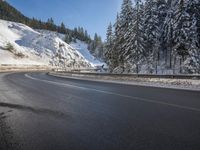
column 41, row 112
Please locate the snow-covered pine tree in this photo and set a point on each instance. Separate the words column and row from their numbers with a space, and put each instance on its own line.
column 116, row 45
column 109, row 35
column 193, row 9
column 198, row 19
column 125, row 20
column 168, row 29
column 162, row 11
column 182, row 27
column 162, row 14
column 152, row 32
column 135, row 51
column 108, row 45
column 192, row 64
column 98, row 46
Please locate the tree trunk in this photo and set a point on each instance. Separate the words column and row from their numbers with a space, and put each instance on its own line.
column 165, row 56
column 174, row 65
column 180, row 65
column 170, row 59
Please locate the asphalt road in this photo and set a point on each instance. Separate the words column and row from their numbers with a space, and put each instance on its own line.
column 41, row 112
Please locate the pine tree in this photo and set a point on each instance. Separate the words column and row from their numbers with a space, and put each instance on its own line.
column 193, row 9
column 125, row 20
column 135, row 42
column 50, row 24
column 168, row 30
column 115, row 57
column 109, row 34
column 152, row 32
column 162, row 15
column 62, row 28
column 109, row 45
column 193, row 61
column 96, row 46
column 68, row 38
column 181, row 31
column 198, row 20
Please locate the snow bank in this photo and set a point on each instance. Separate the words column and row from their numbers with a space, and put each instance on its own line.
column 184, row 84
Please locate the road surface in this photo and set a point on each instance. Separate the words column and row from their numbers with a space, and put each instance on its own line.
column 41, row 112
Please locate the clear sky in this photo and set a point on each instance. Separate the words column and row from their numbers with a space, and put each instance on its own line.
column 93, row 15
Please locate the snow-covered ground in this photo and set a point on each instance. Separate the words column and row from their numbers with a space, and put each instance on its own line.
column 184, row 84
column 82, row 47
column 38, row 48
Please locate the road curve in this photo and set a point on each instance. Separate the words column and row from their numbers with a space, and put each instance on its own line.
column 41, row 112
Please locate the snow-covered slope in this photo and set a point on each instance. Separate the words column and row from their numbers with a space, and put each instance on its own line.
column 82, row 47
column 38, row 48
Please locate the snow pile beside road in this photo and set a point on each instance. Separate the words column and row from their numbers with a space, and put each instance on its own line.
column 188, row 84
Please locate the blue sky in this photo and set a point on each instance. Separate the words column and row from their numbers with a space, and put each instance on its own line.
column 93, row 15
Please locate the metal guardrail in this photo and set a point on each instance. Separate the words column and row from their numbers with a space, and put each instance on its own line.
column 179, row 76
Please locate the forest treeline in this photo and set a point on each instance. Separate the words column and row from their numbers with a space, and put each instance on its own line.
column 155, row 36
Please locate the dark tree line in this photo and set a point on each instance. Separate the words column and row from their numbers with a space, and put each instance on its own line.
column 155, row 35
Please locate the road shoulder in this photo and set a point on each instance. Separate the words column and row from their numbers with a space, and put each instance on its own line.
column 179, row 84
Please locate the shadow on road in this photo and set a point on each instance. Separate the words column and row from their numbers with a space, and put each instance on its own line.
column 40, row 111
column 8, row 141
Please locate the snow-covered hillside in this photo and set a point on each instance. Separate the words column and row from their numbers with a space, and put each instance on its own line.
column 82, row 47
column 19, row 44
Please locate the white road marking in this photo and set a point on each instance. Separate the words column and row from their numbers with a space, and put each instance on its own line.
column 112, row 93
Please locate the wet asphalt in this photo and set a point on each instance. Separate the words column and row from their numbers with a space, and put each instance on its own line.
column 42, row 112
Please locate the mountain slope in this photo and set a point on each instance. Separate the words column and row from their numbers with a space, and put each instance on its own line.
column 32, row 47
column 82, row 47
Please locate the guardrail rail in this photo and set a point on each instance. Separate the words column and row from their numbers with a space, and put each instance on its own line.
column 177, row 76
